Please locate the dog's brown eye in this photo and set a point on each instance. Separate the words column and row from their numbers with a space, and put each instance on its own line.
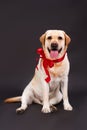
column 60, row 38
column 49, row 38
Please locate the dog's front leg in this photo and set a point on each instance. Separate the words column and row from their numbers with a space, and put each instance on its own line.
column 46, row 105
column 64, row 88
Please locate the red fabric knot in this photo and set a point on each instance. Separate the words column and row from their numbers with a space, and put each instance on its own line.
column 48, row 63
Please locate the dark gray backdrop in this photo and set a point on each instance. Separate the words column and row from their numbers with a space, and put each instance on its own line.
column 21, row 24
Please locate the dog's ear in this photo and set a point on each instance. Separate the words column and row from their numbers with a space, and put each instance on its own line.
column 42, row 39
column 67, row 39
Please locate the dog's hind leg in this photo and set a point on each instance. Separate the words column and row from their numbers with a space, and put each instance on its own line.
column 57, row 98
column 26, row 99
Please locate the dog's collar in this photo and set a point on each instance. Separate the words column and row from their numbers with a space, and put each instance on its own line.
column 48, row 63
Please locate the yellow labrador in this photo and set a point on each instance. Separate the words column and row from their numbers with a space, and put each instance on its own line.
column 50, row 82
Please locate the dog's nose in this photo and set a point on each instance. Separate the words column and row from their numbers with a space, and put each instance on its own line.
column 54, row 46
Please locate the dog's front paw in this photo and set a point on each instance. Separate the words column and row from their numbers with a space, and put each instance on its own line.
column 46, row 109
column 68, row 107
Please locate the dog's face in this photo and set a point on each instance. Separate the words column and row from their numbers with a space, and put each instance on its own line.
column 54, row 43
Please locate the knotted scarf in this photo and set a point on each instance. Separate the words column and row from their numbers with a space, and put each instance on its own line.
column 48, row 63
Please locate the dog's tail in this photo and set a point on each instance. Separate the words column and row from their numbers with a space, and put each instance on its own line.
column 13, row 99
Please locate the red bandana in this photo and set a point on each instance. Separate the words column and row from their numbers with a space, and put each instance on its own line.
column 48, row 63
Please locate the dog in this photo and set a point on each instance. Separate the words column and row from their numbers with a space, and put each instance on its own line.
column 49, row 86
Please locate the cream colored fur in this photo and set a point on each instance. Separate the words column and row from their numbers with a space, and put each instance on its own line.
column 38, row 90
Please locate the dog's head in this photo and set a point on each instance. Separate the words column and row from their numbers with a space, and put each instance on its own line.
column 54, row 43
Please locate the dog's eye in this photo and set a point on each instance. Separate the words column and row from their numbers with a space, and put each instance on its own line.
column 49, row 38
column 60, row 38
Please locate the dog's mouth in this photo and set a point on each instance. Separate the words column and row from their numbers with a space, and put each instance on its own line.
column 54, row 52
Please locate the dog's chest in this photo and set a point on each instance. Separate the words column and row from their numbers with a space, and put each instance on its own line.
column 54, row 83
column 57, row 71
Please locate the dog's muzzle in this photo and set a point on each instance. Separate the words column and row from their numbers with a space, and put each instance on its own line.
column 54, row 51
column 54, row 46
